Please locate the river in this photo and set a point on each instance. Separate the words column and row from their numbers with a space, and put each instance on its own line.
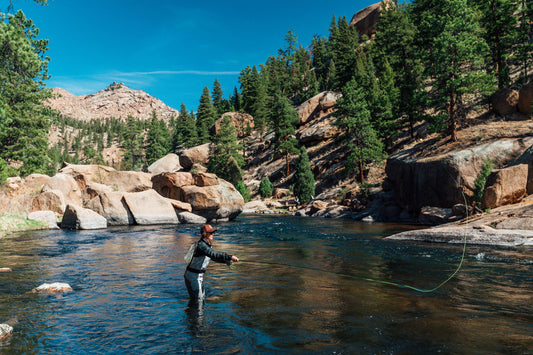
column 301, row 290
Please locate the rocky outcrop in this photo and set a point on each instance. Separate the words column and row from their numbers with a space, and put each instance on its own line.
column 128, row 181
column 76, row 217
column 317, row 106
column 440, row 181
column 505, row 186
column 196, row 155
column 49, row 201
column 54, row 287
column 243, row 123
column 169, row 163
column 148, row 207
column 208, row 195
column 116, row 101
column 525, row 100
column 112, row 207
column 67, row 185
column 366, row 19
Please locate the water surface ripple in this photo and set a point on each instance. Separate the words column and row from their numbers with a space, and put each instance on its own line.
column 129, row 295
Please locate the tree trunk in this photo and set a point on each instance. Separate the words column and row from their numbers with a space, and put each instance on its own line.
column 287, row 162
column 452, row 119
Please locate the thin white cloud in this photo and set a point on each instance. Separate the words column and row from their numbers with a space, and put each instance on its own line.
column 180, row 72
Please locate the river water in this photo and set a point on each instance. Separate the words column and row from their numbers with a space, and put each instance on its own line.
column 302, row 290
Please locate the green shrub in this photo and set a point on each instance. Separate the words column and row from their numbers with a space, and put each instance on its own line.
column 479, row 183
column 243, row 190
column 266, row 188
column 3, row 171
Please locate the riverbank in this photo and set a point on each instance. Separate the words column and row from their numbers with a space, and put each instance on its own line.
column 12, row 223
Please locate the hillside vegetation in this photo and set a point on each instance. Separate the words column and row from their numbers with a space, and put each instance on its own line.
column 415, row 74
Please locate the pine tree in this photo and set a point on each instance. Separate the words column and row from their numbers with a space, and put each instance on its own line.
column 205, row 117
column 304, row 180
column 218, row 98
column 285, row 119
column 184, row 133
column 455, row 61
column 358, row 134
column 236, row 100
column 501, row 34
column 226, row 161
column 133, row 144
column 24, row 120
column 158, row 141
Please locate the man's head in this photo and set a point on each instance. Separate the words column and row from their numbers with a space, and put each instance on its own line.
column 207, row 231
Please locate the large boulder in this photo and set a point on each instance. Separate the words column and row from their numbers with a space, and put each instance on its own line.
column 442, row 180
column 199, row 154
column 111, row 205
column 214, row 202
column 208, row 195
column 191, row 218
column 505, row 101
column 45, row 216
column 149, row 207
column 505, row 186
column 76, row 217
column 527, row 158
column 90, row 173
column 242, row 122
column 169, row 163
column 170, row 184
column 365, row 20
column 128, row 181
column 317, row 106
column 525, row 99
column 35, row 182
column 49, row 201
column 68, row 187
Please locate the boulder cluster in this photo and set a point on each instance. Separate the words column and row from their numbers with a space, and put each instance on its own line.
column 97, row 196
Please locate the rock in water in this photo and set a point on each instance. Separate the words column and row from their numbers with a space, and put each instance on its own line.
column 5, row 331
column 5, row 269
column 55, row 287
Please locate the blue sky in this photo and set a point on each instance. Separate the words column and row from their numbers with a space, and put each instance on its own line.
column 171, row 49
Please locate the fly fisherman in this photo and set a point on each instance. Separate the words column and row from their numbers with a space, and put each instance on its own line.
column 194, row 274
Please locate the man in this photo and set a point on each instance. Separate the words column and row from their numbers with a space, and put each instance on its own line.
column 194, row 274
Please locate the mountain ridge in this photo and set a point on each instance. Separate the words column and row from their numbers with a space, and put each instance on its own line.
column 117, row 100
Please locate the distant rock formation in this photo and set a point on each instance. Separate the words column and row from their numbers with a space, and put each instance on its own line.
column 366, row 19
column 117, row 101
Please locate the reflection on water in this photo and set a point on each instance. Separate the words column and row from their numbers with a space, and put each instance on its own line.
column 129, row 295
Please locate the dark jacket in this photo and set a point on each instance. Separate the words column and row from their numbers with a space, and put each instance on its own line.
column 203, row 254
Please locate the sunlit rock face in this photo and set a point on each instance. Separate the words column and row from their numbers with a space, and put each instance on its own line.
column 54, row 287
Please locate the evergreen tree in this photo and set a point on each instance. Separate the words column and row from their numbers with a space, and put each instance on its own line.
column 184, row 132
column 285, row 119
column 358, row 134
column 158, row 141
column 501, row 34
column 236, row 100
column 455, row 61
column 218, row 98
column 226, row 161
column 205, row 117
column 133, row 143
column 265, row 187
column 24, row 120
column 525, row 39
column 304, row 180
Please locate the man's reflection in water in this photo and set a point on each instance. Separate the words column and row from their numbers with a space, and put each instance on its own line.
column 196, row 317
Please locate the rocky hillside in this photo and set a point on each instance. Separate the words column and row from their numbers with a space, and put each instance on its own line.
column 117, row 101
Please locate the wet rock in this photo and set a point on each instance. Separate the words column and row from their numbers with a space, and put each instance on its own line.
column 169, row 163
column 434, row 215
column 191, row 218
column 5, row 331
column 46, row 216
column 148, row 207
column 5, row 269
column 55, row 287
column 76, row 217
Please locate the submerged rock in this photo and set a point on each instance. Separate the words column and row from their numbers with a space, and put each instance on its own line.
column 55, row 287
